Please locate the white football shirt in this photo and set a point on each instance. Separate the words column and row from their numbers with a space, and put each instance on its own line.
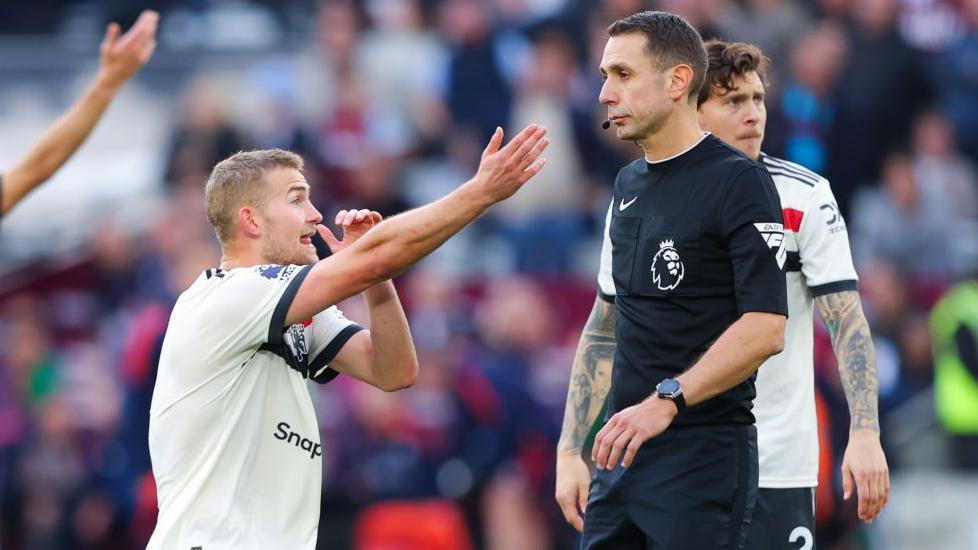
column 233, row 435
column 819, row 262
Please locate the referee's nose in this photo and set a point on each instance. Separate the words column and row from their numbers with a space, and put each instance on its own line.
column 607, row 95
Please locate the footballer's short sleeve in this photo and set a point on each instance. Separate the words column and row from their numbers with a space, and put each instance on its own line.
column 823, row 245
column 606, row 283
column 252, row 303
column 752, row 225
column 330, row 331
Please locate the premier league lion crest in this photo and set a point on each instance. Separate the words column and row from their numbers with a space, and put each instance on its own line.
column 295, row 341
column 667, row 266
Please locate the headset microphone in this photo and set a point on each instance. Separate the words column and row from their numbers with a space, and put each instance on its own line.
column 606, row 124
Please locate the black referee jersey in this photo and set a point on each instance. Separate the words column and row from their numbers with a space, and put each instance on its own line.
column 694, row 242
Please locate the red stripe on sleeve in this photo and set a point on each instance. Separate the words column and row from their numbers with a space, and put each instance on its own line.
column 792, row 218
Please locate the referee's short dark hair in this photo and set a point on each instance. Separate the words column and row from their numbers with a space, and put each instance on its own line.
column 728, row 60
column 671, row 41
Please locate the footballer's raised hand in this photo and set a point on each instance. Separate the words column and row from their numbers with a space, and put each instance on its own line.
column 504, row 169
column 353, row 225
column 123, row 56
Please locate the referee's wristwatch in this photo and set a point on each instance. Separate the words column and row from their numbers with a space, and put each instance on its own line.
column 671, row 390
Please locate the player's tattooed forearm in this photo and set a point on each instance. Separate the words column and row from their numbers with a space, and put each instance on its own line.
column 853, row 344
column 590, row 376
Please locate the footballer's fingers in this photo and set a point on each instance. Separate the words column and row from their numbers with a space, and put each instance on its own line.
column 494, row 142
column 328, row 237
column 350, row 217
column 886, row 486
column 867, row 492
column 846, row 481
column 532, row 170
column 527, row 144
column 571, row 515
column 511, row 149
column 533, row 154
column 361, row 215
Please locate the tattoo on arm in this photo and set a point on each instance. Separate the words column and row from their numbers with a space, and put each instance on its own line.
column 853, row 344
column 590, row 377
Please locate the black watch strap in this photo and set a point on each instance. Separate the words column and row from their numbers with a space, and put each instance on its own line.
column 671, row 390
column 678, row 399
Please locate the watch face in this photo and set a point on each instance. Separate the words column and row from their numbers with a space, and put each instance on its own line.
column 668, row 387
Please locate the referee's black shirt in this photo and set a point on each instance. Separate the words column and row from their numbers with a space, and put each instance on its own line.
column 695, row 241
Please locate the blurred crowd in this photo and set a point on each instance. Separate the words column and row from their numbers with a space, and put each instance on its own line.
column 390, row 103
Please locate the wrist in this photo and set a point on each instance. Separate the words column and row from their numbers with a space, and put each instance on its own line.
column 107, row 84
column 668, row 405
column 566, row 450
column 474, row 193
column 380, row 293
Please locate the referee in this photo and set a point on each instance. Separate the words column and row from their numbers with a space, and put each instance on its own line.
column 691, row 276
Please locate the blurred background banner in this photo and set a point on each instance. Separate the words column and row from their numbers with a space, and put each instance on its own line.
column 390, row 103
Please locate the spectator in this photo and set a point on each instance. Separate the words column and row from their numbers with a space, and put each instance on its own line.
column 904, row 222
column 864, row 127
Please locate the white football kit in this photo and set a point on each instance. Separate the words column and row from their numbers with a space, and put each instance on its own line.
column 819, row 262
column 233, row 436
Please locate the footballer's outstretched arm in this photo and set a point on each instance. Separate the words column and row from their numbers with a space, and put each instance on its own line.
column 396, row 243
column 864, row 465
column 384, row 356
column 590, row 382
column 121, row 57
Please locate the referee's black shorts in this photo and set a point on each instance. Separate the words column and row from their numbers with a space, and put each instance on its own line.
column 690, row 488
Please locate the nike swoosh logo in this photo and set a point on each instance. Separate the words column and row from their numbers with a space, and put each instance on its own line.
column 624, row 205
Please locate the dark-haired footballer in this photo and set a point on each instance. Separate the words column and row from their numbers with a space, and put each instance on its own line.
column 819, row 272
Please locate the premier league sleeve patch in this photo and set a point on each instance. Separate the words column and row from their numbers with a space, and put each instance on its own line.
column 773, row 234
column 279, row 272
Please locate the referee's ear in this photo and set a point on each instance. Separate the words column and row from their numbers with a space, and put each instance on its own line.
column 680, row 79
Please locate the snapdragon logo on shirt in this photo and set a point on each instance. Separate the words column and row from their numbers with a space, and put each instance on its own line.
column 283, row 432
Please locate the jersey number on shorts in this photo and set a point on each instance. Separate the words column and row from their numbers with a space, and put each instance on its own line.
column 802, row 532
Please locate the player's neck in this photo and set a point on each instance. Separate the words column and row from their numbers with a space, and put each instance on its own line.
column 235, row 256
column 679, row 134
